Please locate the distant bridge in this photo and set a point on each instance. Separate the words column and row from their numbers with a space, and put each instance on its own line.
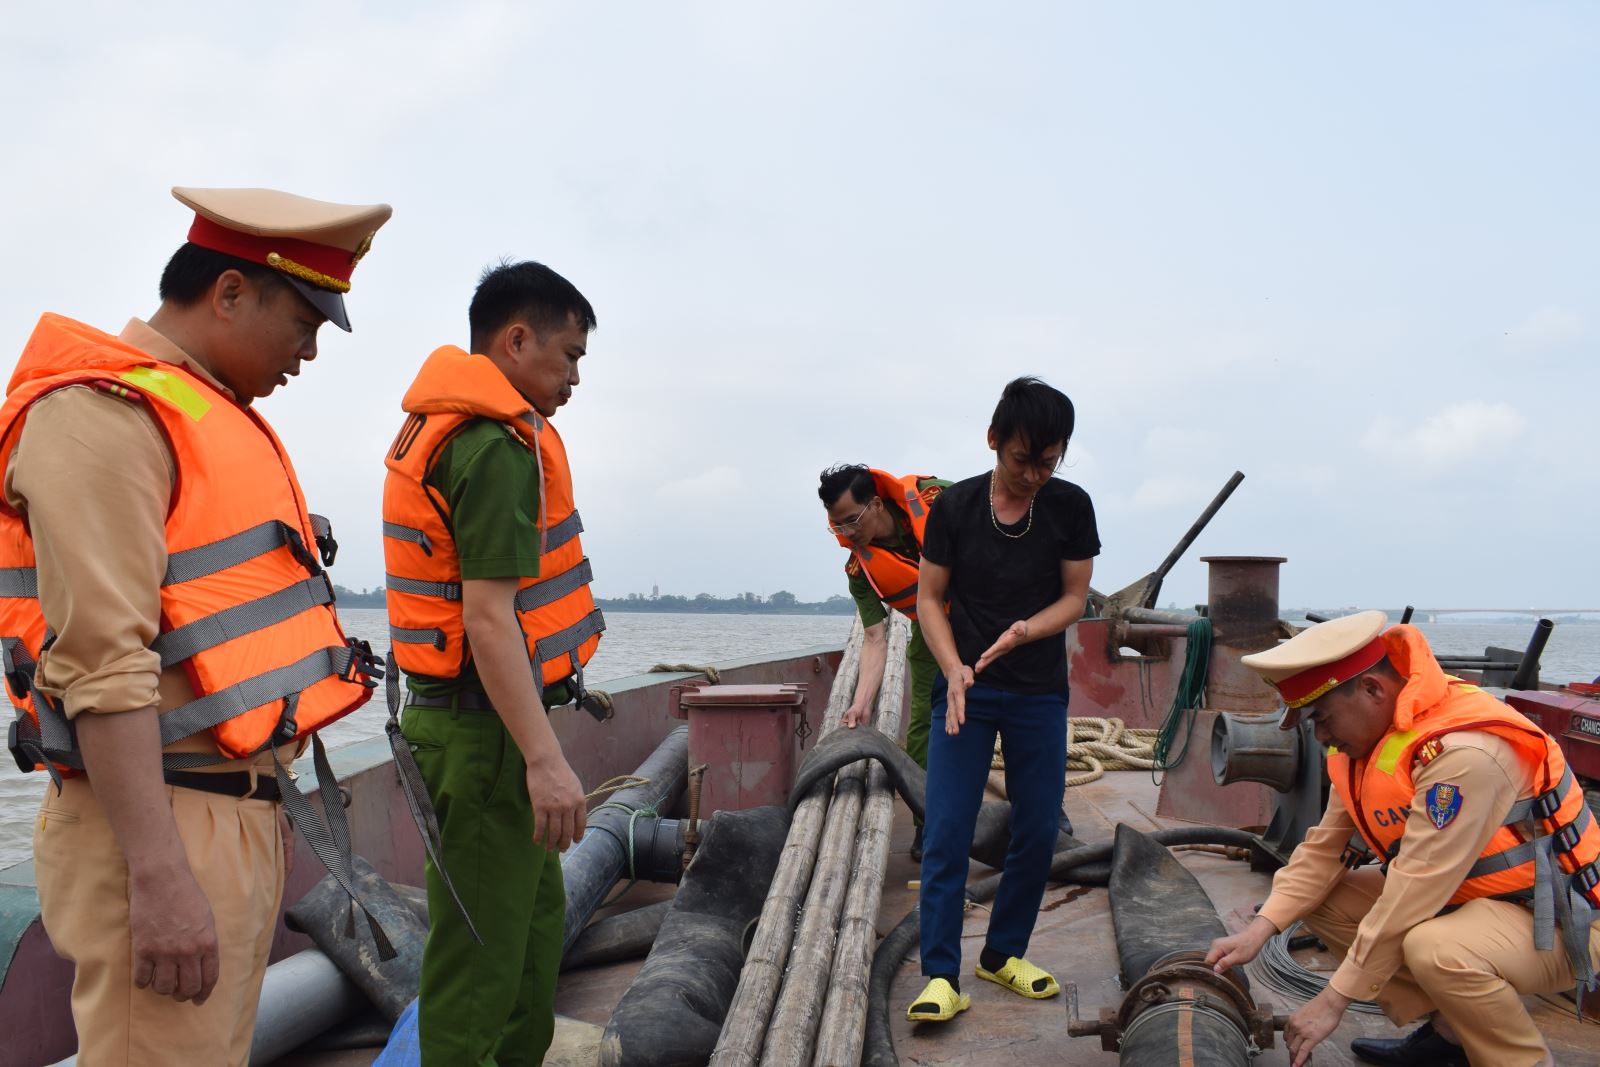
column 1431, row 615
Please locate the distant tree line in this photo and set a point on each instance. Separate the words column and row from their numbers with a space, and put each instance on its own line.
column 782, row 602
column 367, row 598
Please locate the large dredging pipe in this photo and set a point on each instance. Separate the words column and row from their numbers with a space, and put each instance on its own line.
column 745, row 1028
column 820, row 942
column 596, row 863
column 1176, row 1009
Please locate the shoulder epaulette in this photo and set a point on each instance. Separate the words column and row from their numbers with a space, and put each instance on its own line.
column 1428, row 751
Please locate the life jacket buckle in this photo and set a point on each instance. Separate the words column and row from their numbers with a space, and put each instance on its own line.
column 327, row 548
column 1566, row 838
column 366, row 667
column 14, row 742
column 1545, row 805
column 297, row 547
column 1587, row 876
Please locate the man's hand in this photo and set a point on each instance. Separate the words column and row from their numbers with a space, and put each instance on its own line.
column 955, row 715
column 286, row 831
column 174, row 937
column 559, row 815
column 1016, row 634
column 856, row 715
column 1238, row 949
column 1310, row 1026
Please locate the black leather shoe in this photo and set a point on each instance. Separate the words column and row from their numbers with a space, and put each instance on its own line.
column 1422, row 1047
column 916, row 846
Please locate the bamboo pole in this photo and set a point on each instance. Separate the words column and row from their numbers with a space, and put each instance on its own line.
column 744, row 1029
column 844, row 1016
column 794, row 1019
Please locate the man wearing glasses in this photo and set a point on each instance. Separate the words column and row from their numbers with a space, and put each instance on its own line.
column 880, row 519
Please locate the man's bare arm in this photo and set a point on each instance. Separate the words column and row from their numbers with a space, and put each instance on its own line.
column 874, row 654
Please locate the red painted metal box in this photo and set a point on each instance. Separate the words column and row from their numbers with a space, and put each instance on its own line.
column 1573, row 719
column 747, row 736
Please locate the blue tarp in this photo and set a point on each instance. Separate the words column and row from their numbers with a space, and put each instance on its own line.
column 403, row 1049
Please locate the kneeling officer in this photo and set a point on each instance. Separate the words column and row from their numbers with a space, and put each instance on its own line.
column 1487, row 875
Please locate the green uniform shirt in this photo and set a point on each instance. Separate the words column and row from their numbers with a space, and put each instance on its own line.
column 868, row 604
column 490, row 482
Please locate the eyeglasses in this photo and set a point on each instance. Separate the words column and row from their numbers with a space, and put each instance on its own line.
column 845, row 529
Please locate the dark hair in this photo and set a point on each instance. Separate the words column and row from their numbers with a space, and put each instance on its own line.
column 1034, row 413
column 854, row 477
column 192, row 271
column 528, row 291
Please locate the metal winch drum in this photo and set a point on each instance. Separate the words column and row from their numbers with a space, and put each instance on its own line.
column 1251, row 748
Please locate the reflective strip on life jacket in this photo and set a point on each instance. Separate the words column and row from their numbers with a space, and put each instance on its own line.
column 408, row 534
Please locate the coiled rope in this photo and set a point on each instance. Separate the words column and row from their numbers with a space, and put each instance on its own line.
column 1190, row 693
column 1095, row 746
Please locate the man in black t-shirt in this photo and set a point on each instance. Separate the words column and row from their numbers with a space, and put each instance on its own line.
column 1011, row 553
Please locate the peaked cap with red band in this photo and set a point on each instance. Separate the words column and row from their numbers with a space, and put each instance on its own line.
column 1320, row 658
column 315, row 245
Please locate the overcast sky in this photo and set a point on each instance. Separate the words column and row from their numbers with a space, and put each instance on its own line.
column 1352, row 254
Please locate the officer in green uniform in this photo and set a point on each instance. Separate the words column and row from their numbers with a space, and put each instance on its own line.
column 507, row 801
column 862, row 513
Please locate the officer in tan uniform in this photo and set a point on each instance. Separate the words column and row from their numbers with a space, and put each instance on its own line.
column 1446, row 928
column 163, row 893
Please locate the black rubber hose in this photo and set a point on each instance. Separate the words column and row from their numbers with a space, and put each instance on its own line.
column 1078, row 863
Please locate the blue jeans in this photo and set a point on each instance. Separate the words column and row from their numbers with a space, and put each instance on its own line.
column 1033, row 732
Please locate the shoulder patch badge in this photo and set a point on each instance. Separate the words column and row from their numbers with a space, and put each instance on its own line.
column 852, row 566
column 1429, row 751
column 1444, row 804
column 929, row 494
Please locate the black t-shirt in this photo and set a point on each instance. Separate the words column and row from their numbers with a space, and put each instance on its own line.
column 996, row 580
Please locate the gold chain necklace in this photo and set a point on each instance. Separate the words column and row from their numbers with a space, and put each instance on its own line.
column 996, row 519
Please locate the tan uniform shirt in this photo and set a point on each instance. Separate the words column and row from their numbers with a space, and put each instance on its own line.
column 1431, row 866
column 94, row 475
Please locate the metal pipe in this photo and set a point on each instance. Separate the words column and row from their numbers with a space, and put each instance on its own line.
column 1154, row 587
column 1405, row 616
column 1155, row 629
column 691, row 835
column 593, row 865
column 1177, row 618
column 1527, row 676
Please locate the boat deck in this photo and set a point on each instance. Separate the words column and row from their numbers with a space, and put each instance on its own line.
column 1073, row 940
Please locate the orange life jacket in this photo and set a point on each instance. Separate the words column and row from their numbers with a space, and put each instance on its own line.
column 1554, row 820
column 893, row 576
column 556, row 610
column 246, row 607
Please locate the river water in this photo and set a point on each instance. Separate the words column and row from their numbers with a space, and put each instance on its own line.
column 635, row 642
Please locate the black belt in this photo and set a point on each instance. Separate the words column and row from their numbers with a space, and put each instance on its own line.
column 229, row 784
column 465, row 700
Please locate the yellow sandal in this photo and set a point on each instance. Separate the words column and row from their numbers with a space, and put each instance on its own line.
column 1020, row 976
column 938, row 1003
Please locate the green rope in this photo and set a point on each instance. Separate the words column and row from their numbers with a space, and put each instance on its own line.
column 633, row 817
column 1189, row 695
